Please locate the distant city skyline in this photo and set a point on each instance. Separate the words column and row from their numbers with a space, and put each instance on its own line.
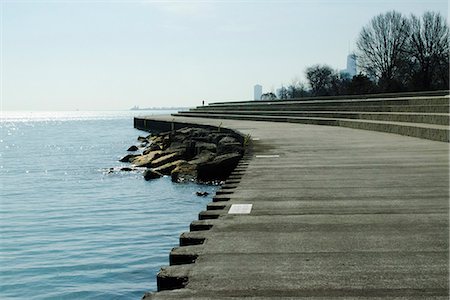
column 97, row 55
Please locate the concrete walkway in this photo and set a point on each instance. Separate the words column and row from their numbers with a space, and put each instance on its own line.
column 336, row 213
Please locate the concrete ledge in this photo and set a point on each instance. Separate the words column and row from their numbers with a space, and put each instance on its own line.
column 201, row 225
column 192, row 238
column 173, row 277
column 209, row 214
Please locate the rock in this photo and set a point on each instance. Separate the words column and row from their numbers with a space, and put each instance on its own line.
column 129, row 157
column 188, row 154
column 200, row 146
column 156, row 139
column 185, row 130
column 227, row 140
column 219, row 168
column 225, row 148
column 133, row 148
column 126, row 169
column 183, row 172
column 145, row 160
column 229, row 144
column 215, row 137
column 169, row 167
column 179, row 147
column 151, row 174
column 203, row 157
column 152, row 147
column 165, row 159
column 202, row 194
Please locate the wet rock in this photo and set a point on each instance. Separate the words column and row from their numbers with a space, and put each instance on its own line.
column 150, row 174
column 126, row 169
column 141, row 139
column 145, row 160
column 202, row 194
column 184, row 172
column 128, row 157
column 169, row 167
column 133, row 148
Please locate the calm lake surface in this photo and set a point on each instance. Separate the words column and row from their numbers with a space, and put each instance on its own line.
column 71, row 230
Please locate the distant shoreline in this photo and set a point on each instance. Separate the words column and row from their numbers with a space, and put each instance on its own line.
column 158, row 108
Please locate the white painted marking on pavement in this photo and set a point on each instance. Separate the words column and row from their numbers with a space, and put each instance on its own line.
column 255, row 139
column 268, row 156
column 240, row 209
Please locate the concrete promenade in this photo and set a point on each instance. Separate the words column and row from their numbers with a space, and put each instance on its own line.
column 336, row 213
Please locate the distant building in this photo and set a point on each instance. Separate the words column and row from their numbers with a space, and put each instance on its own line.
column 350, row 71
column 351, row 64
column 257, row 92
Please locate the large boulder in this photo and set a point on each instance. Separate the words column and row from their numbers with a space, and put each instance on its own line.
column 202, row 157
column 219, row 168
column 152, row 174
column 229, row 144
column 227, row 139
column 128, row 157
column 200, row 146
column 151, row 147
column 184, row 171
column 169, row 167
column 145, row 160
column 133, row 148
column 168, row 158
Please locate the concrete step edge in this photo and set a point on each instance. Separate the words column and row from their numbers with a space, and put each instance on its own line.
column 426, row 118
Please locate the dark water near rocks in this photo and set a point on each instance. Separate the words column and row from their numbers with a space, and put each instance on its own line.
column 70, row 230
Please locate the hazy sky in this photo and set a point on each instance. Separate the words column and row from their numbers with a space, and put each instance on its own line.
column 98, row 55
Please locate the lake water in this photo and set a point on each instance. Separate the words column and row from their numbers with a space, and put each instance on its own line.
column 71, row 230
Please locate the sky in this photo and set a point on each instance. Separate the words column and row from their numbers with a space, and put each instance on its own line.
column 112, row 55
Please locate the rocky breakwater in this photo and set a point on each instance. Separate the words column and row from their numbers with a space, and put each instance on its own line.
column 187, row 154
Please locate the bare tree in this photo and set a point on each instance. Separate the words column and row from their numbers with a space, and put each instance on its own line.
column 297, row 89
column 268, row 96
column 282, row 93
column 382, row 45
column 429, row 49
column 322, row 80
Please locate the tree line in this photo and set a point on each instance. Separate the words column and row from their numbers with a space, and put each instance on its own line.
column 394, row 54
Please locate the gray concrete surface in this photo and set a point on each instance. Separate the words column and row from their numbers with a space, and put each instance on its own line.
column 341, row 213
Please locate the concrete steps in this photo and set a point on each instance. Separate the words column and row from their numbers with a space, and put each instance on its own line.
column 306, row 107
column 430, row 118
column 423, row 116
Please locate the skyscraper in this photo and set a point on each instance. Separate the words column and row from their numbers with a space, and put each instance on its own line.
column 257, row 92
column 351, row 65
